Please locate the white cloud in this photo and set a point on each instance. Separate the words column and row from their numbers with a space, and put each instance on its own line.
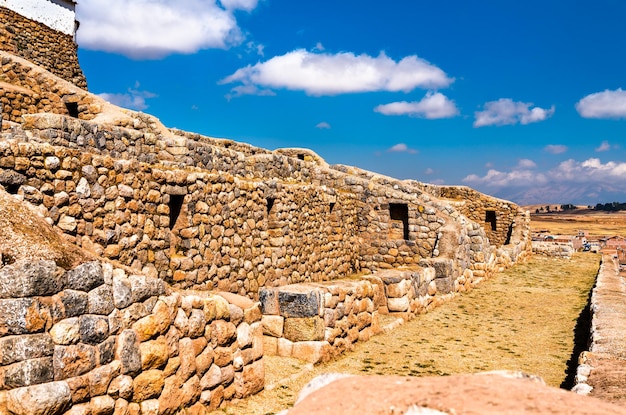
column 332, row 74
column 248, row 90
column 247, row 5
column 507, row 112
column 429, row 171
column 151, row 29
column 605, row 146
column 323, row 126
column 568, row 181
column 555, row 148
column 606, row 104
column 319, row 47
column 133, row 99
column 434, row 105
column 401, row 148
column 526, row 164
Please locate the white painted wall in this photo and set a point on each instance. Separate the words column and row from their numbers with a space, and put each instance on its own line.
column 56, row 14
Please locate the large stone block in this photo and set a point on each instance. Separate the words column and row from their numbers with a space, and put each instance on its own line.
column 312, row 351
column 27, row 278
column 100, row 300
column 74, row 302
column 51, row 398
column 85, row 277
column 148, row 385
column 299, row 301
column 251, row 380
column 304, row 329
column 17, row 348
column 75, row 360
column 26, row 373
column 93, row 329
column 154, row 354
column 269, row 301
column 22, row 316
column 128, row 352
column 273, row 325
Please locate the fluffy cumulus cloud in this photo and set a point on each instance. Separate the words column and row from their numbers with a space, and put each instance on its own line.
column 505, row 111
column 606, row 104
column 434, row 105
column 151, row 29
column 132, row 99
column 555, row 148
column 317, row 73
column 569, row 181
column 401, row 148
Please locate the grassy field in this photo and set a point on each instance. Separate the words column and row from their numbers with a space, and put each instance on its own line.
column 522, row 319
column 569, row 223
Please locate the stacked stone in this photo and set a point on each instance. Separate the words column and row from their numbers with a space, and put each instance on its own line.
column 314, row 322
column 22, row 92
column 52, row 50
column 98, row 340
column 248, row 217
column 553, row 249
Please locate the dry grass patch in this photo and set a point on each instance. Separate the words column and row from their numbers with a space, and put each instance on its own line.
column 522, row 319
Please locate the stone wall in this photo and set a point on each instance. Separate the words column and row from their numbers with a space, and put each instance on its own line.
column 499, row 218
column 97, row 339
column 52, row 50
column 28, row 89
column 553, row 249
column 317, row 321
column 601, row 370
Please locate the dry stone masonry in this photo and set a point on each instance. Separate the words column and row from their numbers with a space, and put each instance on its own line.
column 205, row 253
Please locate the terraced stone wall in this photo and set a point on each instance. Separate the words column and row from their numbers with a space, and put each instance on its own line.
column 28, row 89
column 98, row 339
column 52, row 50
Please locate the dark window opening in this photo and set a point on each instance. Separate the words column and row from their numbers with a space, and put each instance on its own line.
column 176, row 205
column 72, row 109
column 490, row 217
column 400, row 212
column 508, row 235
column 300, row 156
column 12, row 188
column 332, row 206
column 270, row 204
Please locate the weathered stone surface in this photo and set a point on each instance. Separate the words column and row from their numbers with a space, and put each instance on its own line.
column 17, row 348
column 101, row 377
column 101, row 300
column 128, row 352
column 93, row 329
column 148, row 385
column 102, row 405
column 269, row 301
column 121, row 387
column 299, row 301
column 304, row 329
column 74, row 302
column 211, row 378
column 222, row 332
column 85, row 277
column 74, row 360
column 27, row 278
column 122, row 292
column 401, row 304
column 47, row 399
column 311, row 351
column 26, row 373
column 251, row 380
column 273, row 325
column 154, row 354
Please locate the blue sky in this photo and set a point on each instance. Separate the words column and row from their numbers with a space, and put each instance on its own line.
column 521, row 100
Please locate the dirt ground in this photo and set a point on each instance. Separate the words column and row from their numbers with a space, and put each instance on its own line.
column 523, row 319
